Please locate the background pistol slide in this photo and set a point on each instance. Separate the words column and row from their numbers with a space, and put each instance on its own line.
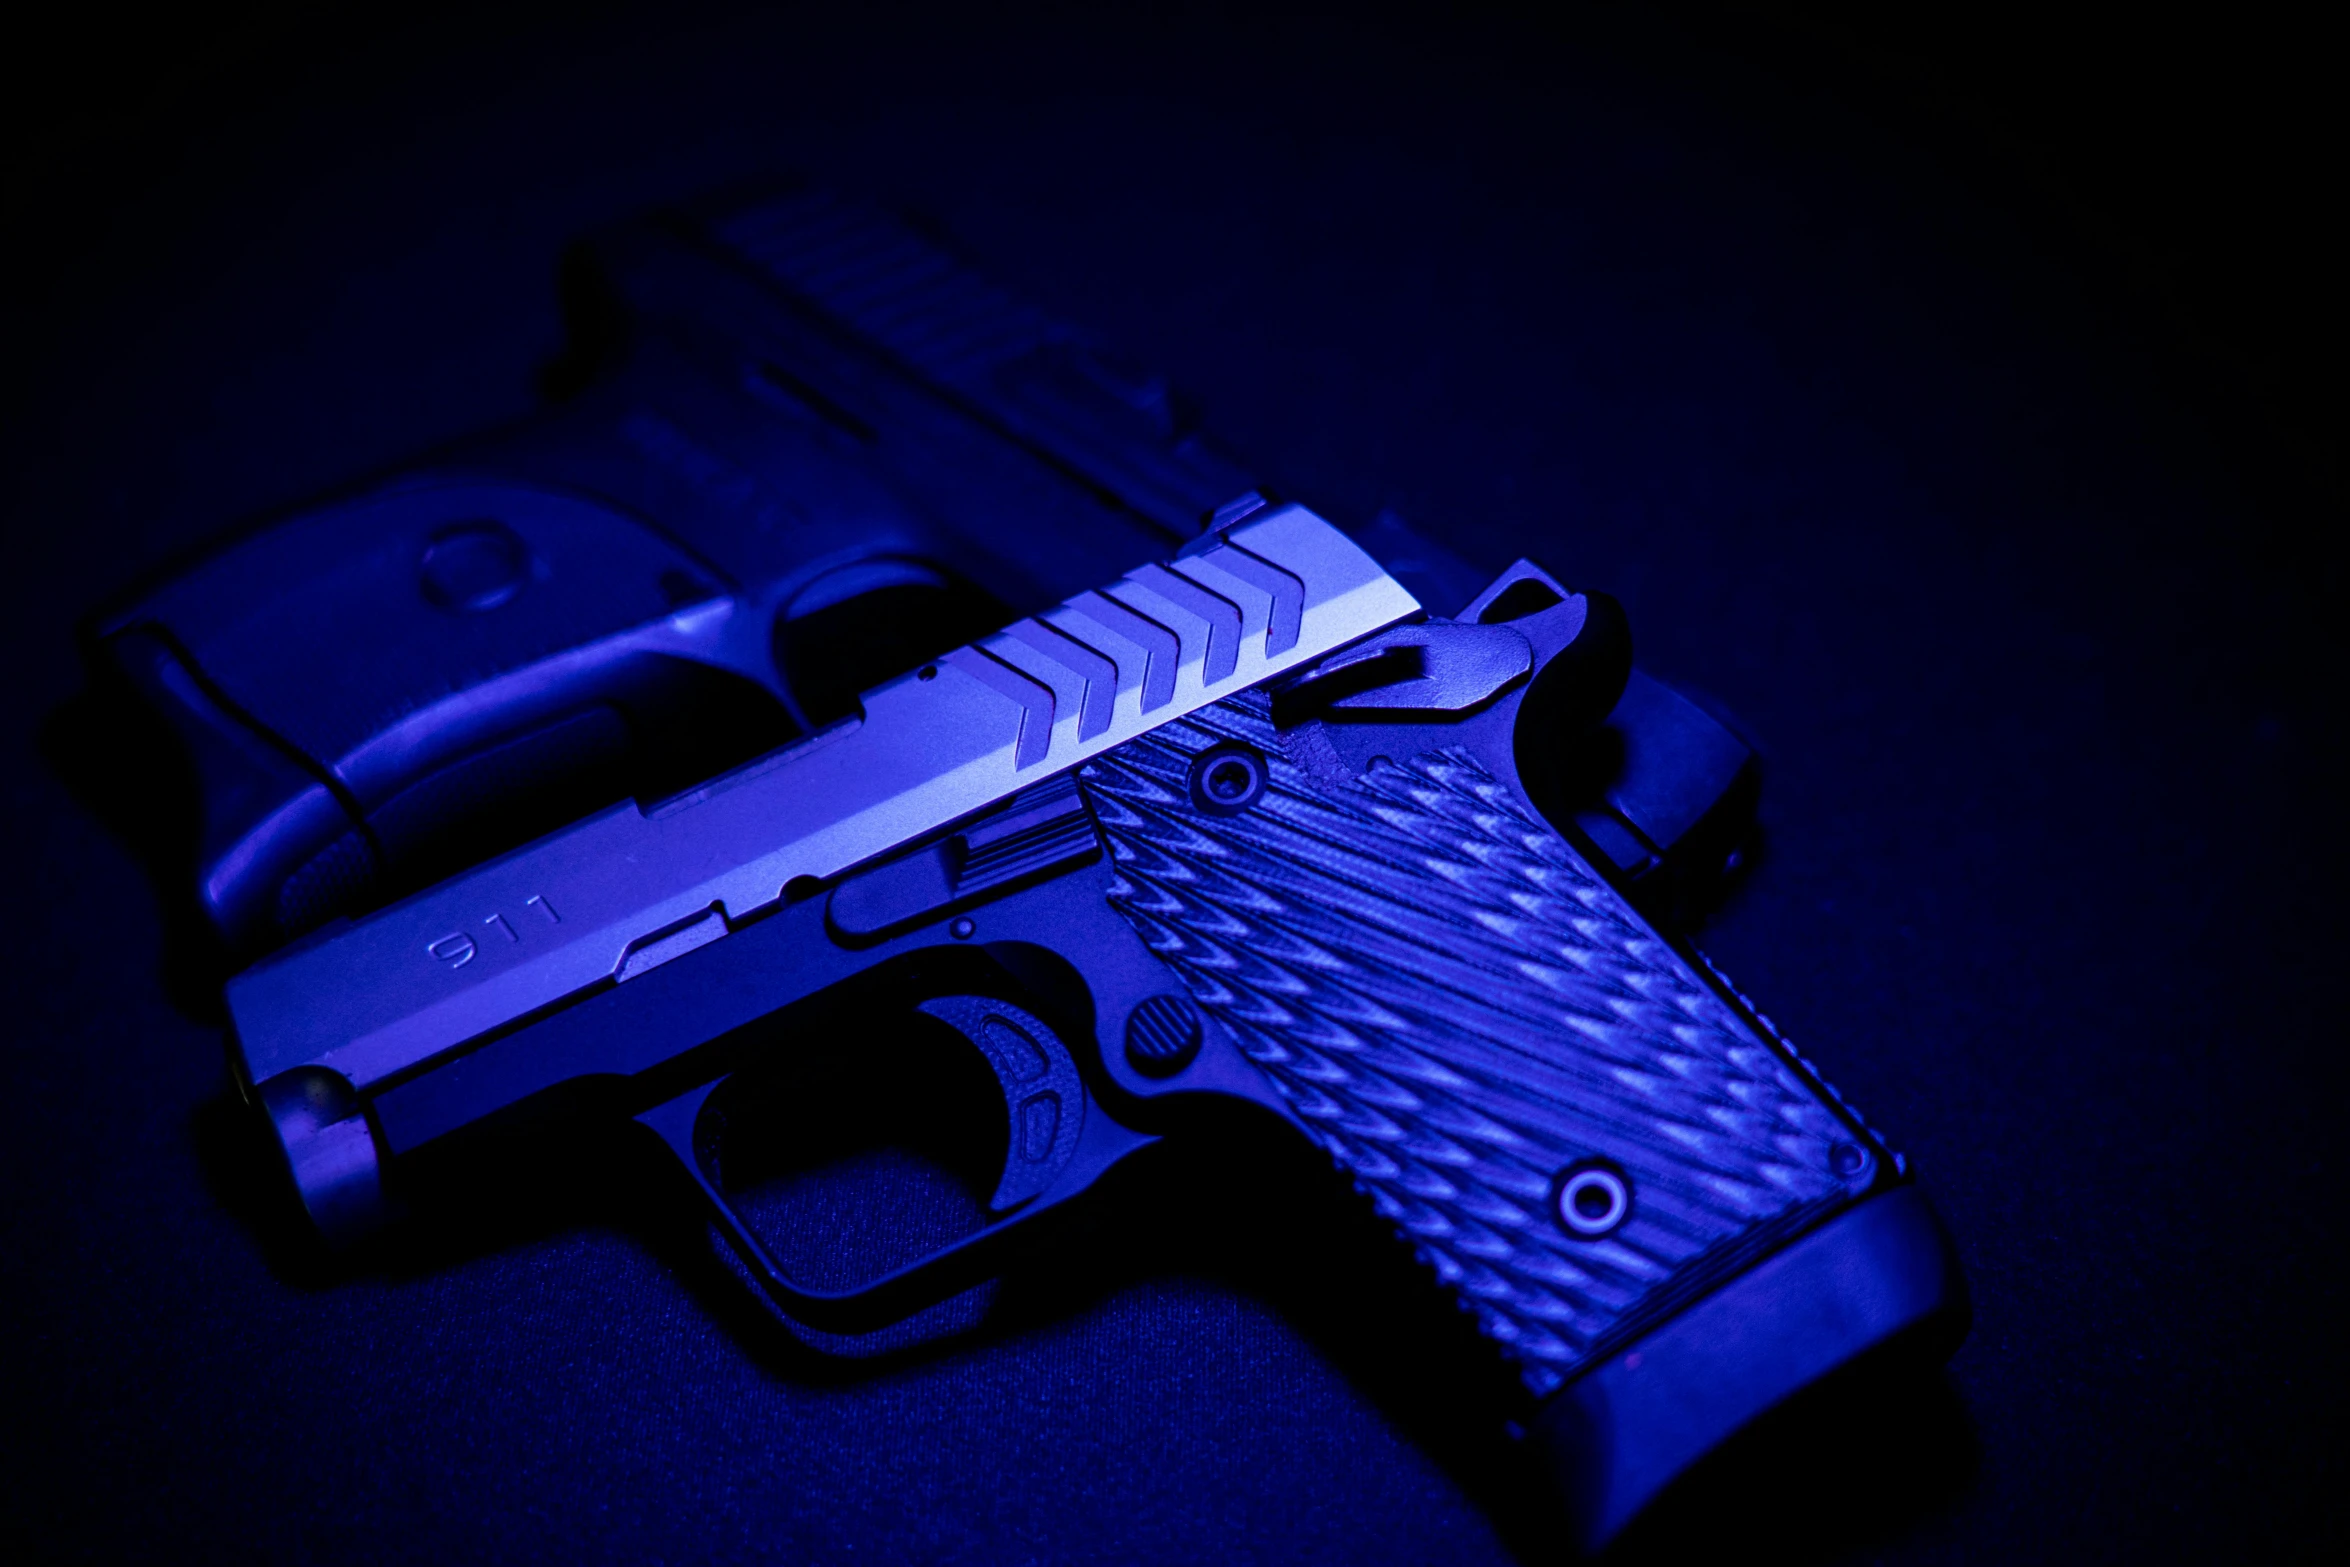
column 625, row 890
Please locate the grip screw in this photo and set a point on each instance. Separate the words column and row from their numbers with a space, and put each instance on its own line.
column 1162, row 1036
column 1227, row 779
column 1592, row 1200
column 1849, row 1160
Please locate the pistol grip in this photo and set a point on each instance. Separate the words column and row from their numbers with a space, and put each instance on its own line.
column 1572, row 1120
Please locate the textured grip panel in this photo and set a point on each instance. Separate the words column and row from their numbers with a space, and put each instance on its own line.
column 1461, row 1009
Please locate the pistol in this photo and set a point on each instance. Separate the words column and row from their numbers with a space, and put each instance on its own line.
column 1245, row 827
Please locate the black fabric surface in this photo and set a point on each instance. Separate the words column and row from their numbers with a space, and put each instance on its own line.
column 2029, row 603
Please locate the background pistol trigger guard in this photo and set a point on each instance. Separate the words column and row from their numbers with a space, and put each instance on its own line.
column 1060, row 1143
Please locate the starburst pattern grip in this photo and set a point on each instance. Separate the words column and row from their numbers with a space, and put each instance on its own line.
column 1461, row 1009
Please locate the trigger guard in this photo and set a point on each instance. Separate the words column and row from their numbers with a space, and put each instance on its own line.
column 1043, row 1095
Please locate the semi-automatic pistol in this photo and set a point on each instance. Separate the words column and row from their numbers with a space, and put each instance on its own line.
column 1249, row 826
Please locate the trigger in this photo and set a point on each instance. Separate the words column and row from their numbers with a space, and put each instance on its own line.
column 1042, row 1091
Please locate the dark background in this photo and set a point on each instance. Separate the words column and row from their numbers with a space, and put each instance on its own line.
column 1956, row 399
